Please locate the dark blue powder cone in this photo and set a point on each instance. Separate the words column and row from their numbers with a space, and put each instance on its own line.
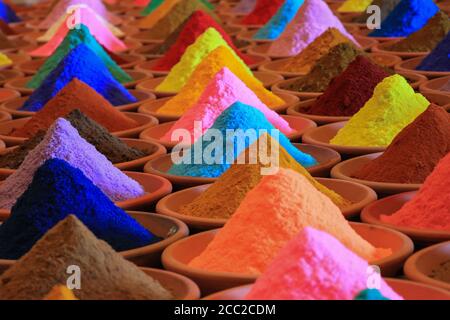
column 57, row 190
column 439, row 58
column 237, row 116
column 7, row 14
column 407, row 17
column 84, row 64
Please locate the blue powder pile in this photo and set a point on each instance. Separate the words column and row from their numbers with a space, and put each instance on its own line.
column 57, row 190
column 237, row 116
column 276, row 25
column 439, row 58
column 85, row 65
column 407, row 17
column 7, row 14
column 370, row 294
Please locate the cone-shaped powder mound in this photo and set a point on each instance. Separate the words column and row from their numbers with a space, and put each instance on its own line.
column 276, row 25
column 326, row 68
column 286, row 202
column 370, row 294
column 198, row 23
column 14, row 158
column 105, row 274
column 238, row 118
column 85, row 65
column 205, row 72
column 305, row 60
column 350, row 90
column 60, row 292
column 71, row 41
column 4, row 60
column 7, row 14
column 407, row 17
column 62, row 141
column 222, row 91
column 429, row 209
column 315, row 266
column 192, row 57
column 386, row 6
column 151, row 6
column 76, row 95
column 393, row 106
column 403, row 161
column 438, row 59
column 426, row 38
column 223, row 198
column 354, row 5
column 313, row 18
column 262, row 12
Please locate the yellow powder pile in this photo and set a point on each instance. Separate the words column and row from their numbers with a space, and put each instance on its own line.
column 205, row 72
column 4, row 60
column 306, row 59
column 354, row 5
column 270, row 215
column 392, row 107
column 60, row 292
column 160, row 12
column 207, row 42
column 224, row 196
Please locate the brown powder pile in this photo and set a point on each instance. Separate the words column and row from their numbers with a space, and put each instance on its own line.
column 170, row 40
column 76, row 95
column 427, row 38
column 105, row 274
column 14, row 158
column 442, row 272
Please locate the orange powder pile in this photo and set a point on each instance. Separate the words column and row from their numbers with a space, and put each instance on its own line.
column 60, row 292
column 273, row 213
column 219, row 58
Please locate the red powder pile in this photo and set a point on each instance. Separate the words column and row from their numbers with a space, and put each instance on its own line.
column 415, row 151
column 349, row 91
column 198, row 22
column 263, row 11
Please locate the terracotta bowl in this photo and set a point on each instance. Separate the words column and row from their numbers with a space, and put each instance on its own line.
column 364, row 33
column 146, row 50
column 383, row 48
column 296, row 110
column 267, row 78
column 143, row 37
column 421, row 264
column 387, row 206
column 7, row 95
column 346, row 169
column 18, row 58
column 7, row 75
column 409, row 290
column 177, row 256
column 144, row 121
column 167, row 228
column 19, row 84
column 321, row 136
column 5, row 116
column 138, row 77
column 411, row 64
column 248, row 35
column 281, row 87
column 435, row 86
column 439, row 99
column 236, row 22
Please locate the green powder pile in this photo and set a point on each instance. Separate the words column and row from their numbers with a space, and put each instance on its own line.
column 170, row 40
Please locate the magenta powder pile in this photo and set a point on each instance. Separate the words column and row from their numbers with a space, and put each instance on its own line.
column 315, row 266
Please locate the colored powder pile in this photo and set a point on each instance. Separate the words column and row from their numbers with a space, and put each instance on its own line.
column 191, row 58
column 438, row 59
column 57, row 190
column 106, row 274
column 429, row 208
column 313, row 19
column 14, row 158
column 151, row 6
column 169, row 15
column 162, row 48
column 6, row 29
column 442, row 272
column 403, row 162
column 407, row 17
column 305, row 60
column 279, row 21
column 71, row 41
column 62, row 141
column 7, row 14
column 60, row 292
column 354, row 5
column 244, row 7
column 326, row 68
column 393, row 106
column 286, row 202
column 4, row 60
column 427, row 38
column 386, row 6
column 262, row 12
column 349, row 91
column 206, row 70
column 76, row 95
column 370, row 294
column 83, row 64
column 314, row 266
column 240, row 117
column 5, row 43
column 225, row 195
column 222, row 91
column 198, row 25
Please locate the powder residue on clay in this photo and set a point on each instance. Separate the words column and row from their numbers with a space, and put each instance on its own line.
column 441, row 272
column 286, row 202
column 392, row 107
column 438, row 59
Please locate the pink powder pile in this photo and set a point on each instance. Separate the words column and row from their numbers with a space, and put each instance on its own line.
column 313, row 19
column 272, row 214
column 315, row 266
column 96, row 26
column 62, row 141
column 222, row 91
column 430, row 208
